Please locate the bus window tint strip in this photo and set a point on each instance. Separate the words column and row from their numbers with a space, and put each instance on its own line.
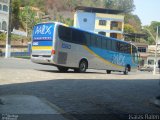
column 92, row 40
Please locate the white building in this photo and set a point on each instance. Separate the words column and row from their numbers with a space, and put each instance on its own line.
column 99, row 20
column 3, row 15
column 151, row 56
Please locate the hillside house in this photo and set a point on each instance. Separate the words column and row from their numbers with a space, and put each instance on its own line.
column 102, row 21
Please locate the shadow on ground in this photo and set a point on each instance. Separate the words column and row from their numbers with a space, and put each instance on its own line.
column 93, row 99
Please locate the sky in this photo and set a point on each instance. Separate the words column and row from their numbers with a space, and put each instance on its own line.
column 147, row 10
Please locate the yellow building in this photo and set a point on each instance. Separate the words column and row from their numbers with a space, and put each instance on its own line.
column 102, row 21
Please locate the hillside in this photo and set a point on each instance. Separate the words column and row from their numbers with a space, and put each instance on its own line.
column 64, row 8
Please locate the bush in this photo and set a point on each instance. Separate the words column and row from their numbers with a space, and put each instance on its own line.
column 2, row 36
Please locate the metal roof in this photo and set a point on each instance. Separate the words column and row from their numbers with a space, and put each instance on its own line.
column 137, row 35
column 98, row 10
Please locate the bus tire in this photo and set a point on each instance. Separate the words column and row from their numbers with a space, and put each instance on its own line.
column 126, row 71
column 108, row 71
column 62, row 69
column 82, row 66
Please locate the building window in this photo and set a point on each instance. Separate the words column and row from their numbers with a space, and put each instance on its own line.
column 113, row 35
column 5, row 8
column 102, row 22
column 102, row 33
column 4, row 25
column 150, row 62
column 0, row 7
column 142, row 49
column 114, row 24
column 85, row 20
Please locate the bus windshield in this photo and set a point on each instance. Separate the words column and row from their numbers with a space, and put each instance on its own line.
column 43, row 36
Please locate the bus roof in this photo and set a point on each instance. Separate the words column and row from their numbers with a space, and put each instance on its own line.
column 52, row 22
column 84, row 31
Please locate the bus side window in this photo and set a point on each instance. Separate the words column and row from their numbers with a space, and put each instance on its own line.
column 99, row 42
column 114, row 44
column 87, row 38
column 65, row 33
column 134, row 54
column 77, row 37
column 109, row 44
column 118, row 47
column 104, row 43
column 129, row 49
column 93, row 40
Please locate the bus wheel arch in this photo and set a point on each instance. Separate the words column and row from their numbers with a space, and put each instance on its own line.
column 127, row 69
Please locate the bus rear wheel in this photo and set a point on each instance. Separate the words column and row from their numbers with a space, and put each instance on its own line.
column 62, row 69
column 82, row 67
column 108, row 71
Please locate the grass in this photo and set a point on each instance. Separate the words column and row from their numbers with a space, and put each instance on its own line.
column 23, row 57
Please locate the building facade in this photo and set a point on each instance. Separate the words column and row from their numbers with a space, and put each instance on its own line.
column 3, row 15
column 143, row 53
column 102, row 21
column 151, row 56
column 147, row 54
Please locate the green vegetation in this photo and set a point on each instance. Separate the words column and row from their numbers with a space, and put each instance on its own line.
column 126, row 5
column 2, row 36
column 151, row 31
column 63, row 10
column 24, row 57
column 15, row 14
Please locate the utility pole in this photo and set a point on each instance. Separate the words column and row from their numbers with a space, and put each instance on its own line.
column 155, row 59
column 8, row 38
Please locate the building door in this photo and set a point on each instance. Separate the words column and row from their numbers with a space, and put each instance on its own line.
column 113, row 35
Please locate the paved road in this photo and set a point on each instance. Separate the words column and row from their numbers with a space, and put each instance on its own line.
column 89, row 96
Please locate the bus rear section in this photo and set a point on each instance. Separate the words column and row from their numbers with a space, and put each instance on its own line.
column 43, row 43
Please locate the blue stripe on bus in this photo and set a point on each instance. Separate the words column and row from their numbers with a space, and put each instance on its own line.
column 113, row 57
column 42, row 43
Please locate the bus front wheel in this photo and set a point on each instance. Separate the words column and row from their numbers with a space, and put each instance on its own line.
column 62, row 69
column 126, row 71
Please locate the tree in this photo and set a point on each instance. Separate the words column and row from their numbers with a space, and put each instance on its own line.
column 28, row 19
column 151, row 32
column 153, row 27
column 129, row 28
column 15, row 14
column 134, row 21
column 126, row 5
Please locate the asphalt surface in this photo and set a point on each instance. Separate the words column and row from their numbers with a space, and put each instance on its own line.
column 91, row 96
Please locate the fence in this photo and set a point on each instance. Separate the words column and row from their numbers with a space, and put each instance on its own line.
column 17, row 54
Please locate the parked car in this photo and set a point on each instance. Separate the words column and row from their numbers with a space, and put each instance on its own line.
column 146, row 68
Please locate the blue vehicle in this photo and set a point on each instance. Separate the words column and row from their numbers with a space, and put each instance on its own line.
column 71, row 48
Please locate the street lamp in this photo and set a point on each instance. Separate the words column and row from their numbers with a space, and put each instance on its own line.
column 156, row 40
column 155, row 60
column 8, row 38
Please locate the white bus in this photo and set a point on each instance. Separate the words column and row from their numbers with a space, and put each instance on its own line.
column 71, row 48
